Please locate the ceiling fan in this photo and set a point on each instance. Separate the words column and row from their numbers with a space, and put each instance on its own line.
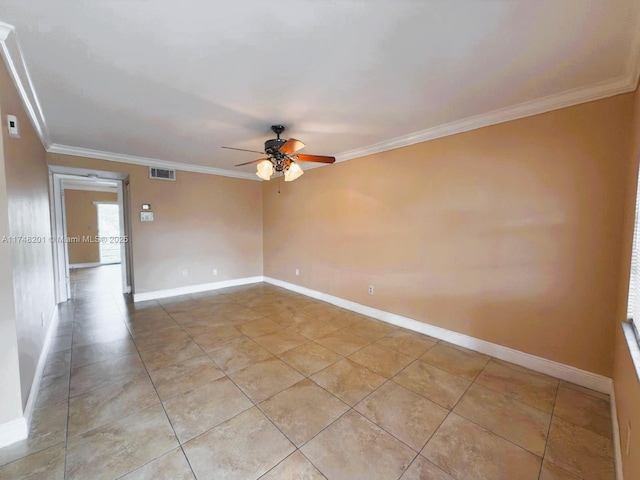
column 282, row 157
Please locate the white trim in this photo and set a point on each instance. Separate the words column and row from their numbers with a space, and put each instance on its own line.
column 13, row 431
column 617, row 451
column 202, row 287
column 85, row 265
column 575, row 375
column 146, row 161
column 89, row 188
column 14, row 59
column 569, row 98
column 42, row 361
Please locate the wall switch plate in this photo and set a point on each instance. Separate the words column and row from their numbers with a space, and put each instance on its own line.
column 185, row 272
column 215, row 271
column 370, row 290
column 12, row 125
column 297, row 272
column 42, row 319
column 146, row 216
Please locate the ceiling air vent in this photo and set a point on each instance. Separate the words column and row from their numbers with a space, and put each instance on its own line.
column 162, row 173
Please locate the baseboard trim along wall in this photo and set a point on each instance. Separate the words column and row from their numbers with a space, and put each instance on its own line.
column 13, row 431
column 84, row 265
column 202, row 287
column 617, row 450
column 18, row 429
column 575, row 375
column 42, row 362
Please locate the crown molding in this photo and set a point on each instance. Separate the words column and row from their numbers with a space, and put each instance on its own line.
column 14, row 59
column 146, row 161
column 569, row 98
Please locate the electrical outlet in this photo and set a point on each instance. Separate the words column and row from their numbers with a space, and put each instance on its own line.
column 185, row 272
column 215, row 271
column 297, row 272
column 628, row 446
column 370, row 289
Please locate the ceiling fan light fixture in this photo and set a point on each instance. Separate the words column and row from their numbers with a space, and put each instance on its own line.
column 294, row 171
column 265, row 170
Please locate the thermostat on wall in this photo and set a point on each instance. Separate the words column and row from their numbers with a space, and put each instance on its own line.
column 12, row 125
column 146, row 206
column 146, row 216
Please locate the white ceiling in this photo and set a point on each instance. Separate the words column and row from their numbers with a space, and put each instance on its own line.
column 175, row 81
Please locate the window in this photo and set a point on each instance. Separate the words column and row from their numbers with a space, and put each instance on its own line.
column 633, row 306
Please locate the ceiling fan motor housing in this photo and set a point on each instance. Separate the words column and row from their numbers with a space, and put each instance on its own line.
column 273, row 145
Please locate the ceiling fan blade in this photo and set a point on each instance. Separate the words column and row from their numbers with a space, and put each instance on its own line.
column 315, row 158
column 291, row 146
column 252, row 161
column 243, row 150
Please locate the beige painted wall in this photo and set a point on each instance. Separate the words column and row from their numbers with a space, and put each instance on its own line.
column 82, row 221
column 626, row 382
column 201, row 222
column 27, row 182
column 510, row 233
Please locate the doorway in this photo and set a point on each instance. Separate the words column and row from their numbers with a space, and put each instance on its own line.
column 103, row 237
column 109, row 233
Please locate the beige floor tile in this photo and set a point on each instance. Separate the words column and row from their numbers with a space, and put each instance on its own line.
column 588, row 391
column 53, row 389
column 241, row 315
column 408, row 343
column 218, row 337
column 462, row 362
column 169, row 354
column 423, row 469
column 553, row 472
column 238, row 355
column 302, row 410
column 162, row 337
column 48, row 427
column 100, row 352
column 381, row 360
column 406, row 415
column 100, row 374
column 439, row 386
column 202, row 408
column 262, row 326
column 314, row 328
column 45, row 465
column 58, row 363
column 172, row 465
column 100, row 335
column 371, row 329
column 343, row 342
column 180, row 377
column 348, row 381
column 289, row 318
column 262, row 380
column 309, row 358
column 580, row 451
column 585, row 410
column 243, row 448
column 466, row 450
column 524, row 385
column 318, row 309
column 113, row 402
column 281, row 341
column 295, row 466
column 354, row 448
column 120, row 447
column 519, row 423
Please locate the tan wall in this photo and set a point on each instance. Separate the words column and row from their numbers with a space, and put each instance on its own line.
column 201, row 222
column 510, row 233
column 626, row 382
column 27, row 181
column 82, row 221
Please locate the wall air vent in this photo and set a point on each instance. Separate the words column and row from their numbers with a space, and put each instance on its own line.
column 162, row 174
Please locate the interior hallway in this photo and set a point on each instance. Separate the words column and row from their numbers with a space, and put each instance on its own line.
column 259, row 382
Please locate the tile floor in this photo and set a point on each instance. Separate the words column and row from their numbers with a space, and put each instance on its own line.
column 259, row 382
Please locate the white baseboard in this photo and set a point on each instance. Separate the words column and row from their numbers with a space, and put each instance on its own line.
column 617, row 449
column 84, row 265
column 13, row 431
column 575, row 375
column 202, row 287
column 42, row 361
